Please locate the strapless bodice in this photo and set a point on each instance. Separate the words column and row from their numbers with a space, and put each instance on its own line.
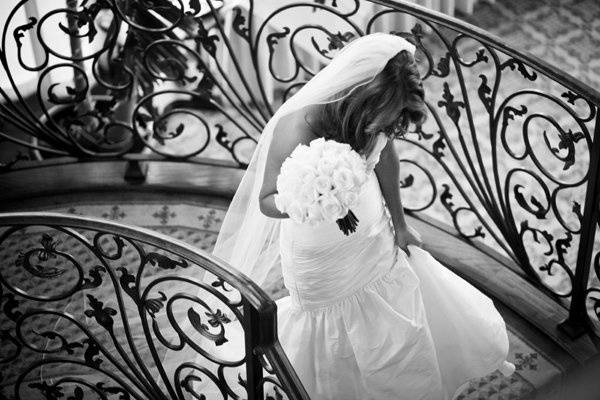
column 369, row 210
column 321, row 266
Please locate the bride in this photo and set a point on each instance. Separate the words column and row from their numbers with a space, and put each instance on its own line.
column 370, row 315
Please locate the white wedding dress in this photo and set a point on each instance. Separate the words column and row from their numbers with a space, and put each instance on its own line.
column 365, row 321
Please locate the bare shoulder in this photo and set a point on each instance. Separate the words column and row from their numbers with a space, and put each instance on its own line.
column 291, row 130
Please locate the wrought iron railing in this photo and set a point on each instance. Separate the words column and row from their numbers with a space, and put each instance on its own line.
column 508, row 158
column 95, row 308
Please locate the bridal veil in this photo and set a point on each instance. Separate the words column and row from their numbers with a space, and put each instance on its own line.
column 248, row 240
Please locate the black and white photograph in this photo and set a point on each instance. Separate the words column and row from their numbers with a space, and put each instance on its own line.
column 300, row 199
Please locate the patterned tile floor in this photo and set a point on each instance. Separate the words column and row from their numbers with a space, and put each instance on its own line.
column 565, row 33
column 198, row 224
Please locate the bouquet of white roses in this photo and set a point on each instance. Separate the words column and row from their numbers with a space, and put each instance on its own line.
column 321, row 182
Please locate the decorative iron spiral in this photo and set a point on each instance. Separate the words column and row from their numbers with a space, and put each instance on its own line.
column 92, row 309
column 505, row 158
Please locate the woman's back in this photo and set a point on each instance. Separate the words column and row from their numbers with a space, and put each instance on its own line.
column 322, row 265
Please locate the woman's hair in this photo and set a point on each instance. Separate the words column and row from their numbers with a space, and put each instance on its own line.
column 396, row 93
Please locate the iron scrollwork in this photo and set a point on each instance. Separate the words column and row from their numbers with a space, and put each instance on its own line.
column 91, row 310
column 510, row 139
column 506, row 157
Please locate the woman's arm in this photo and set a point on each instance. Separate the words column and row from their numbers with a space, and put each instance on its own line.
column 290, row 131
column 268, row 208
column 388, row 175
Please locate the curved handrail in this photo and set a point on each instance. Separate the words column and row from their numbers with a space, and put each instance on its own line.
column 134, row 373
column 247, row 288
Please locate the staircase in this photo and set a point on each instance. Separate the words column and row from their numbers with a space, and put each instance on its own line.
column 501, row 184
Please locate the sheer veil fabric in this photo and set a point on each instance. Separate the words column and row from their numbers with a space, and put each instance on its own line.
column 248, row 240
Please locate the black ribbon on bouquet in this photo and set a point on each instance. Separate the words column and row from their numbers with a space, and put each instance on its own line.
column 348, row 223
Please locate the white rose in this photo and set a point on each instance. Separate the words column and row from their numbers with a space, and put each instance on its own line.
column 287, row 183
column 314, row 214
column 322, row 184
column 353, row 158
column 308, row 156
column 283, row 181
column 290, row 163
column 288, row 180
column 280, row 202
column 331, row 208
column 296, row 212
column 347, row 198
column 307, row 174
column 339, row 162
column 343, row 147
column 360, row 175
column 329, row 153
column 281, row 184
column 318, row 144
column 343, row 178
column 307, row 193
column 326, row 165
column 299, row 152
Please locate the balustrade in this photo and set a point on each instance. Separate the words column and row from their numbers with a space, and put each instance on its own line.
column 507, row 161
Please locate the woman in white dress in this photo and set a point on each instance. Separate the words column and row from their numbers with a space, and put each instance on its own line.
column 370, row 315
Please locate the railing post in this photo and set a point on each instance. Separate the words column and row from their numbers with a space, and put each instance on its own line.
column 135, row 171
column 254, row 372
column 576, row 323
